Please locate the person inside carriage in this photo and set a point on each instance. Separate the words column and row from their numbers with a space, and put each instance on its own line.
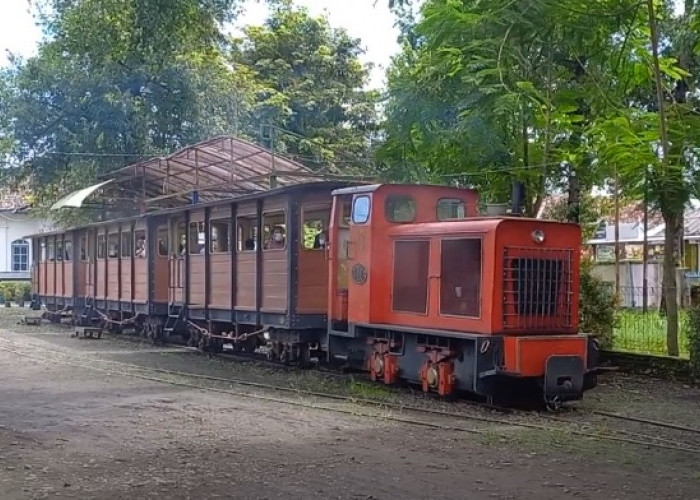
column 276, row 241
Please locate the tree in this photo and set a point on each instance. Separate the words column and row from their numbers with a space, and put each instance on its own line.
column 120, row 80
column 312, row 87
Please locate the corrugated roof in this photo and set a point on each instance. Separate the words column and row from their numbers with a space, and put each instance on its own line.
column 219, row 168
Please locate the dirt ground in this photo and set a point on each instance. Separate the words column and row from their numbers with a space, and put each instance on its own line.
column 68, row 431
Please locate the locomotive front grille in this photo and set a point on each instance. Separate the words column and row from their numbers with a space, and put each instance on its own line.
column 537, row 288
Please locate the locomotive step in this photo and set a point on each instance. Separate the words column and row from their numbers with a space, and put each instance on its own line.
column 91, row 332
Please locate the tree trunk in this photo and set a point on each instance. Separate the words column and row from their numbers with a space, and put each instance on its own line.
column 669, row 284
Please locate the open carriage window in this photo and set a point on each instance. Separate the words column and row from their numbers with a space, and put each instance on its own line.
column 180, row 239
column 400, row 208
column 68, row 250
column 219, row 235
column 126, row 243
column 450, row 208
column 51, row 249
column 140, row 244
column 314, row 227
column 246, row 233
column 59, row 249
column 163, row 241
column 274, row 231
column 100, row 246
column 113, row 245
column 196, row 238
column 83, row 248
column 43, row 250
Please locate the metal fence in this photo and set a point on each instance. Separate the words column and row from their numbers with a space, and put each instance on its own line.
column 643, row 331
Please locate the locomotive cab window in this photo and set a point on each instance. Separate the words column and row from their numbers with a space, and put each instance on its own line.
column 219, row 235
column 274, row 231
column 450, row 208
column 247, row 233
column 400, row 209
column 197, row 238
column 112, row 245
column 140, row 244
column 460, row 277
column 314, row 228
column 360, row 209
column 100, row 246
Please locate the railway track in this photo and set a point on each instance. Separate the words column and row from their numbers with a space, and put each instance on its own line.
column 678, row 437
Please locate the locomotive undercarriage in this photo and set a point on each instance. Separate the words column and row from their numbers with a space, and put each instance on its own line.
column 448, row 365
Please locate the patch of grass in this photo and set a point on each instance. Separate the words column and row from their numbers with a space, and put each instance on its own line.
column 646, row 332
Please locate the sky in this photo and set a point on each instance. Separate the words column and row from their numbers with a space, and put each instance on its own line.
column 369, row 20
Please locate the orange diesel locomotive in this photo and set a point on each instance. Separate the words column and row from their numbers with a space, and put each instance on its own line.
column 407, row 281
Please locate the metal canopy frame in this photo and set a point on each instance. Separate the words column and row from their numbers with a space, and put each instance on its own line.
column 220, row 168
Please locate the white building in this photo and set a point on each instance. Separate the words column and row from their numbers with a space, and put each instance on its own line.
column 16, row 222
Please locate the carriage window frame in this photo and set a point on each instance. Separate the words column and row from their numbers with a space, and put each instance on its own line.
column 59, row 249
column 42, row 250
column 218, row 223
column 356, row 215
column 83, row 248
column 325, row 225
column 390, row 209
column 266, row 230
column 127, row 244
column 138, row 233
column 162, row 236
column 454, row 202
column 110, row 242
column 194, row 247
column 68, row 250
column 253, row 229
column 101, row 246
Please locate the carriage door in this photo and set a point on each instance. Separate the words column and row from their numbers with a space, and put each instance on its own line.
column 339, row 257
column 178, row 249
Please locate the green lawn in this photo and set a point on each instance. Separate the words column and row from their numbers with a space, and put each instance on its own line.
column 646, row 332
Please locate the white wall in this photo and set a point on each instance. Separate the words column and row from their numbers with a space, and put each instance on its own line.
column 16, row 227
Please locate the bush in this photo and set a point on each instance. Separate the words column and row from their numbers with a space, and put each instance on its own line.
column 597, row 307
column 15, row 290
column 694, row 340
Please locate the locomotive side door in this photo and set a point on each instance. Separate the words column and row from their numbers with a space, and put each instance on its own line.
column 338, row 261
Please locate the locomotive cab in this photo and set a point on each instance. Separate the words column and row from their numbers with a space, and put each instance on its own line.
column 423, row 289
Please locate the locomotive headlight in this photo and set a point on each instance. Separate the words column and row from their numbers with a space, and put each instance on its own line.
column 538, row 236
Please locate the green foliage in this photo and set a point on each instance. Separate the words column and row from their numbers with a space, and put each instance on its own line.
column 597, row 307
column 694, row 340
column 15, row 290
column 311, row 85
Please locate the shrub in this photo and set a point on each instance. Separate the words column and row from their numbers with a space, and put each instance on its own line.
column 15, row 290
column 597, row 307
column 694, row 340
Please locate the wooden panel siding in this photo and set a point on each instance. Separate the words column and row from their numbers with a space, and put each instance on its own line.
column 68, row 278
column 59, row 278
column 100, row 281
column 312, row 282
column 197, row 280
column 246, row 272
column 125, row 276
column 274, row 281
column 220, row 281
column 141, row 280
column 50, row 278
column 113, row 279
